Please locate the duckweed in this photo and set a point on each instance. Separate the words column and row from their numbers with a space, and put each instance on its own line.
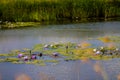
column 11, row 59
column 71, row 59
column 3, row 54
column 52, row 61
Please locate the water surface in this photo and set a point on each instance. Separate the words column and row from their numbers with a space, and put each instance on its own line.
column 72, row 70
column 27, row 37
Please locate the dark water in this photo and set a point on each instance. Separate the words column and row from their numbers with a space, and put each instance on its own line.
column 73, row 70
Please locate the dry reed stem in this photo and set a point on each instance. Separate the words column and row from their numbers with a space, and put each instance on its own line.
column 22, row 77
column 118, row 76
column 99, row 69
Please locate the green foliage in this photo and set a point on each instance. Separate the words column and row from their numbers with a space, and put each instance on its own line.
column 47, row 10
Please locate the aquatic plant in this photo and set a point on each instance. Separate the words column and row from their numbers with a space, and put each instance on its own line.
column 9, row 54
column 17, row 62
column 11, row 59
column 105, row 39
column 55, row 10
column 39, row 62
column 85, row 44
column 71, row 58
column 3, row 54
column 84, row 52
column 52, row 61
column 1, row 60
column 115, row 38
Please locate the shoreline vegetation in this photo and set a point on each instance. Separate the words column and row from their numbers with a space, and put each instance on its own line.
column 83, row 51
column 16, row 11
column 12, row 25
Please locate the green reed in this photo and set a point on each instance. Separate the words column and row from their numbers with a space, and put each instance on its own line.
column 54, row 10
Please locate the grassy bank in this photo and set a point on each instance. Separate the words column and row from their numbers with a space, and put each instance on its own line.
column 54, row 10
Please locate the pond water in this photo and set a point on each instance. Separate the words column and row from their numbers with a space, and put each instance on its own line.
column 27, row 37
column 71, row 70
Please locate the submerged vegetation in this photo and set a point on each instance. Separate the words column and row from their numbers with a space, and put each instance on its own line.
column 56, row 52
column 47, row 10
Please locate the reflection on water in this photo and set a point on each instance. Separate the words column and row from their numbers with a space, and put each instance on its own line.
column 64, row 71
column 73, row 70
column 27, row 37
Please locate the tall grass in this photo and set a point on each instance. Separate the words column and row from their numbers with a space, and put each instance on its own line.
column 47, row 10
